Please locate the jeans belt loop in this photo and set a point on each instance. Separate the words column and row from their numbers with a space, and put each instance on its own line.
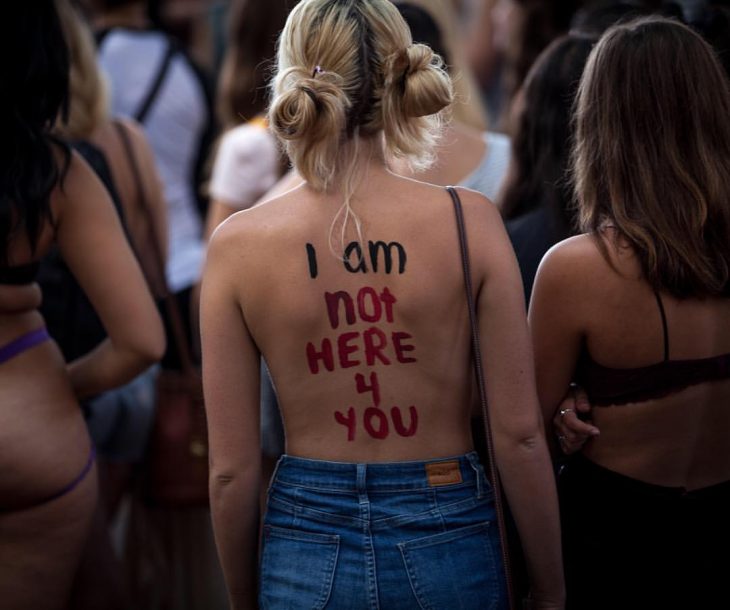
column 478, row 470
column 361, row 481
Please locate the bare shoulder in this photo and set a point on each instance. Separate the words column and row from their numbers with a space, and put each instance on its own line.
column 484, row 223
column 575, row 275
column 576, row 257
column 247, row 232
column 476, row 203
column 77, row 179
column 233, row 236
column 132, row 127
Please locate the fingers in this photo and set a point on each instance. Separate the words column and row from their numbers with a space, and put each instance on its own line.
column 566, row 422
column 572, row 444
column 580, row 399
column 571, row 431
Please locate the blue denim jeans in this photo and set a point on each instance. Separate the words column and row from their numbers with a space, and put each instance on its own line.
column 402, row 535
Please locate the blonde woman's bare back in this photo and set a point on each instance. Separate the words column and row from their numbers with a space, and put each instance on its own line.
column 351, row 288
column 374, row 363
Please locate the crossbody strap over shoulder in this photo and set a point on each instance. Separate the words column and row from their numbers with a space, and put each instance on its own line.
column 164, row 67
column 479, row 373
column 171, row 307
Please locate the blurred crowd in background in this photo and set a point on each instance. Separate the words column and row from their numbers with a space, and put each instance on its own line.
column 168, row 106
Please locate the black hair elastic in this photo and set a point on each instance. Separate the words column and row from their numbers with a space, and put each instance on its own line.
column 313, row 96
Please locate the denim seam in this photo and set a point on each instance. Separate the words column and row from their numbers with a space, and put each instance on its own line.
column 431, row 513
column 296, row 510
column 446, row 536
column 412, row 578
column 380, row 490
column 292, row 534
column 316, row 488
column 327, row 590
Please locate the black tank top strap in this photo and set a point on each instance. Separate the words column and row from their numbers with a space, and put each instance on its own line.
column 665, row 329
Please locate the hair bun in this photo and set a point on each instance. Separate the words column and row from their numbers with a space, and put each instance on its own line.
column 307, row 105
column 420, row 57
column 417, row 75
column 310, row 108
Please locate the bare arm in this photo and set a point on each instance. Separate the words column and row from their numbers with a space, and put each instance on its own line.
column 153, row 187
column 521, row 451
column 19, row 299
column 94, row 247
column 556, row 327
column 231, row 384
column 154, row 200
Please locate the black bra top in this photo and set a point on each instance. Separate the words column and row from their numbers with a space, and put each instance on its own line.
column 19, row 274
column 618, row 386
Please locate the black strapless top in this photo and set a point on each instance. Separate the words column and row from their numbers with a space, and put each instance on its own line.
column 20, row 274
column 618, row 386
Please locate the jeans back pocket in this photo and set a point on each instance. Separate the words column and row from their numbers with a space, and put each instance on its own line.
column 457, row 569
column 297, row 568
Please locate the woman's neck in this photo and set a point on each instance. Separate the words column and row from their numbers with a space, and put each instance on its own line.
column 362, row 159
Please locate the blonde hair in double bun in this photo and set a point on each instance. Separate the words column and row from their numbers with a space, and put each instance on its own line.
column 349, row 68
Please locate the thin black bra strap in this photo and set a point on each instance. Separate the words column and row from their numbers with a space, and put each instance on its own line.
column 664, row 324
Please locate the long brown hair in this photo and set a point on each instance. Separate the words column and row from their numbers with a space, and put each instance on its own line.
column 541, row 144
column 253, row 29
column 652, row 153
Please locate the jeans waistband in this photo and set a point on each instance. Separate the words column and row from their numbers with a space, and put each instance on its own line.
column 379, row 476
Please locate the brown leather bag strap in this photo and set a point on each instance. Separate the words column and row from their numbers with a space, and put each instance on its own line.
column 479, row 372
column 171, row 306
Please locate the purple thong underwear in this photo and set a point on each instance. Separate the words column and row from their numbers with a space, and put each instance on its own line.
column 22, row 343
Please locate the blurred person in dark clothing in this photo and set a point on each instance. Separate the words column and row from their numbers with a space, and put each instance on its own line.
column 537, row 196
column 153, row 80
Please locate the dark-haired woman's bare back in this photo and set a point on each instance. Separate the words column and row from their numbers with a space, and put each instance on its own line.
column 47, row 474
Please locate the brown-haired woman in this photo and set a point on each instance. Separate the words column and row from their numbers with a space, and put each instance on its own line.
column 369, row 354
column 248, row 162
column 637, row 312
